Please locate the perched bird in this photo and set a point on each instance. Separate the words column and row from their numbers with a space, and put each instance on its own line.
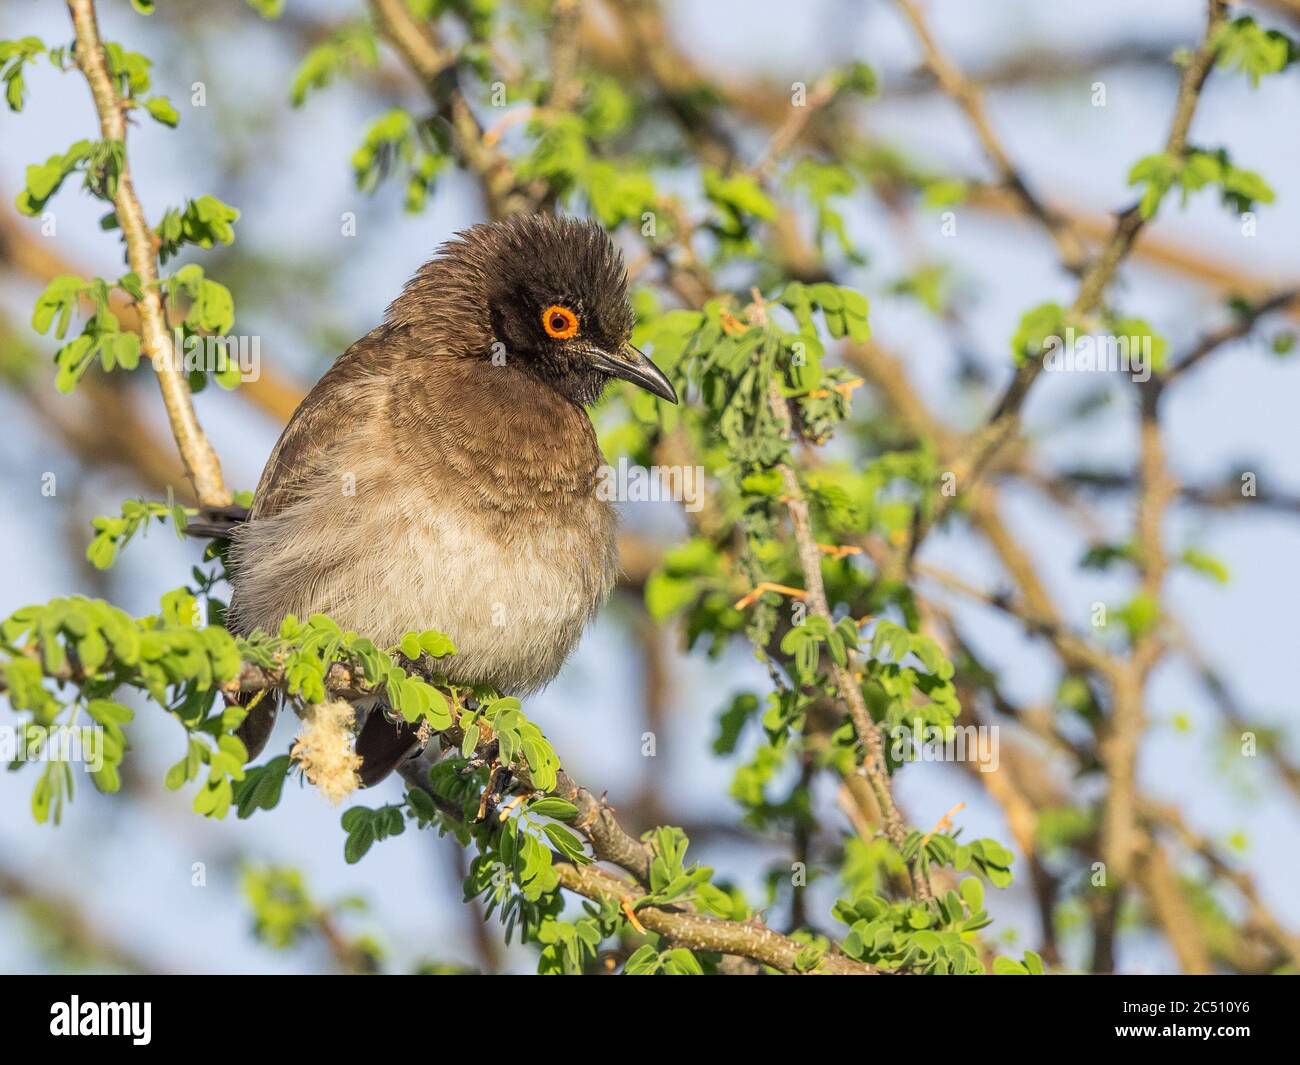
column 443, row 473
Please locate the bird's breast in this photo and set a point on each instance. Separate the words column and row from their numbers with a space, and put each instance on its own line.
column 514, row 592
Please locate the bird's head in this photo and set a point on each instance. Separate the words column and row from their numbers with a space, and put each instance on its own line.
column 543, row 293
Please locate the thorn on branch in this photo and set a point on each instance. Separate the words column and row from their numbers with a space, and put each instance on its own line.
column 839, row 551
column 753, row 595
column 943, row 824
column 625, row 903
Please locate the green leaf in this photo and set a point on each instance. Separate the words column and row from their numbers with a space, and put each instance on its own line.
column 261, row 787
column 470, row 742
column 161, row 110
column 566, row 843
column 1140, row 615
column 1207, row 564
column 422, row 804
column 1157, row 172
column 972, row 892
column 740, row 195
column 354, row 818
column 644, row 961
column 1036, row 327
column 13, row 56
column 358, row 843
column 681, row 962
column 126, row 350
column 1246, row 46
column 666, row 595
column 436, row 644
column 348, row 49
column 552, row 806
column 176, row 776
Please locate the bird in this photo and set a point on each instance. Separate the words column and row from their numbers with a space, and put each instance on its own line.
column 444, row 473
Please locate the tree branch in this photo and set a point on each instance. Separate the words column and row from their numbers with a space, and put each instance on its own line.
column 1005, row 421
column 1241, row 325
column 201, row 463
column 969, row 99
column 420, row 47
column 700, row 932
column 874, row 766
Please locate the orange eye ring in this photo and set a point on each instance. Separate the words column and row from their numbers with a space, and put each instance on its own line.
column 559, row 322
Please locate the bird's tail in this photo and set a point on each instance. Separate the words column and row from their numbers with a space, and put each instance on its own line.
column 256, row 727
column 384, row 743
column 216, row 523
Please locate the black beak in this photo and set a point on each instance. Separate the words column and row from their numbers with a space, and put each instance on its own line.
column 632, row 365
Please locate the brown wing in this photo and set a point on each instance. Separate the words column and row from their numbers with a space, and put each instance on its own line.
column 322, row 421
column 302, row 454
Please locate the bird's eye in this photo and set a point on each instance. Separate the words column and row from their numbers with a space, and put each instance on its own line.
column 559, row 322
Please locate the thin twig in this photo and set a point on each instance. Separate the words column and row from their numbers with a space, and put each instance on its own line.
column 420, row 47
column 1242, row 323
column 970, row 100
column 1005, row 421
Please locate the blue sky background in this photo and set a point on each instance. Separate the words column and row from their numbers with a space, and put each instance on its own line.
column 129, row 864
